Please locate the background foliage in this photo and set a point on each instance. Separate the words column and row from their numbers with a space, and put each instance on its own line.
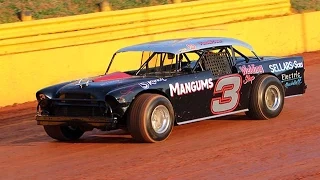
column 42, row 9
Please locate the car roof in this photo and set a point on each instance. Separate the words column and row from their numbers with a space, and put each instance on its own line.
column 177, row 46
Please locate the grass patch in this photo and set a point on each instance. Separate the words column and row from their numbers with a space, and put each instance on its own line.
column 42, row 9
column 305, row 5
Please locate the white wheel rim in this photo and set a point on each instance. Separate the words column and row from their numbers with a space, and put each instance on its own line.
column 272, row 97
column 160, row 119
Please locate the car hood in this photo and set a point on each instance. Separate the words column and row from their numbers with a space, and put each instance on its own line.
column 99, row 86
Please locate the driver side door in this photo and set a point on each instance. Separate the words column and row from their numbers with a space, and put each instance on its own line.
column 223, row 95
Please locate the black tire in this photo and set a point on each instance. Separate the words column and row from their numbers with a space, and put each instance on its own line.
column 258, row 106
column 139, row 120
column 63, row 133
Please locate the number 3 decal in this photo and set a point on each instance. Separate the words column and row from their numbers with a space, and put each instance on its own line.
column 229, row 86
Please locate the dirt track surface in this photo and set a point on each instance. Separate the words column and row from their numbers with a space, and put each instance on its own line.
column 287, row 147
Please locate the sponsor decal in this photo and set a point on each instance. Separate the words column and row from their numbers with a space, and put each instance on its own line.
column 191, row 46
column 292, row 79
column 210, row 42
column 229, row 86
column 291, row 76
column 111, row 77
column 296, row 82
column 248, row 78
column 179, row 41
column 83, row 83
column 125, row 92
column 147, row 84
column 190, row 87
column 183, row 50
column 285, row 66
column 251, row 69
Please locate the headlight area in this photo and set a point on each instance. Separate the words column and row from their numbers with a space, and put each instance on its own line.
column 44, row 103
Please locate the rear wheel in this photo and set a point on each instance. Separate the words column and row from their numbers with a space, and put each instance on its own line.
column 64, row 133
column 150, row 118
column 267, row 98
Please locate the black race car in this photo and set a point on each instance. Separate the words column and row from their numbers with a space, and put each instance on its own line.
column 175, row 82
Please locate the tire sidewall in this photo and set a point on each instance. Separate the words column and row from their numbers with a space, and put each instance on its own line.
column 63, row 133
column 71, row 134
column 156, row 102
column 262, row 92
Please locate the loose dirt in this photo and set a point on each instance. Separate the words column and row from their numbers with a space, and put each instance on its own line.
column 233, row 147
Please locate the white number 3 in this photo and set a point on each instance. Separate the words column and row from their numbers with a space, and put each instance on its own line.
column 229, row 86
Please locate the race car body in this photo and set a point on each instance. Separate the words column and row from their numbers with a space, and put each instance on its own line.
column 177, row 81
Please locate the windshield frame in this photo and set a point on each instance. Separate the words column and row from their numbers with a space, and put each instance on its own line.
column 162, row 55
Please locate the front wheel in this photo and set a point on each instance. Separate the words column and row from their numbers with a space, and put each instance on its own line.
column 267, row 98
column 150, row 118
column 64, row 133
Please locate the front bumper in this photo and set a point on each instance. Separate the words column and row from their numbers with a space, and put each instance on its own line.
column 64, row 120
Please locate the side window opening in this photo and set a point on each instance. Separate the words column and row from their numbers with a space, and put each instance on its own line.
column 157, row 64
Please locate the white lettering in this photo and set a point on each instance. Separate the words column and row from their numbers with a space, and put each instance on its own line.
column 147, row 84
column 144, row 85
column 174, row 89
column 210, row 84
column 198, row 85
column 193, row 86
column 285, row 66
column 292, row 79
column 205, row 84
column 187, row 87
column 190, row 87
column 182, row 91
column 291, row 76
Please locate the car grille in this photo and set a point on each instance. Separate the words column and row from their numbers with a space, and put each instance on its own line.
column 76, row 96
column 78, row 111
column 77, row 105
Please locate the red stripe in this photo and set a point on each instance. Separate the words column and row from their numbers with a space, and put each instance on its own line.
column 112, row 76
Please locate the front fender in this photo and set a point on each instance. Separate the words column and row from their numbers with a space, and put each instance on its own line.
column 125, row 95
column 51, row 91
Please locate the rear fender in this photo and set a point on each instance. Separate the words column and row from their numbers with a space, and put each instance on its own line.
column 289, row 71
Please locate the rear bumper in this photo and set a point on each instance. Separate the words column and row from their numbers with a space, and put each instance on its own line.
column 62, row 120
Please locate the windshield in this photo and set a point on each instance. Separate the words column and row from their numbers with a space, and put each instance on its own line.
column 152, row 63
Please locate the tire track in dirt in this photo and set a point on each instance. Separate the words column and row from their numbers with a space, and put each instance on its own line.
column 232, row 147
